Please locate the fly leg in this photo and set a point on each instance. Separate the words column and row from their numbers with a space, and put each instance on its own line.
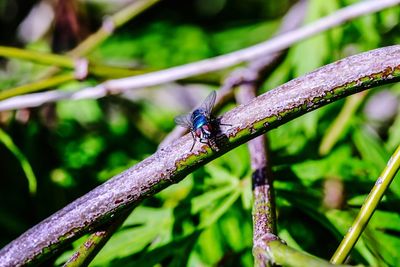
column 210, row 142
column 204, row 141
column 194, row 140
column 217, row 121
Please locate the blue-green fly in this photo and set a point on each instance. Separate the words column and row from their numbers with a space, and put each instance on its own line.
column 200, row 122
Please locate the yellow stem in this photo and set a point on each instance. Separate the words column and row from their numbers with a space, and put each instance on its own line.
column 37, row 86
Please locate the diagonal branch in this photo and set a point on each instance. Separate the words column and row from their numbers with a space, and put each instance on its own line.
column 291, row 20
column 172, row 163
column 208, row 65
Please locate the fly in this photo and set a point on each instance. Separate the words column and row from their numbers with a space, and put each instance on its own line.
column 200, row 122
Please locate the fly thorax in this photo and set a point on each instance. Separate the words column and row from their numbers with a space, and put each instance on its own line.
column 198, row 119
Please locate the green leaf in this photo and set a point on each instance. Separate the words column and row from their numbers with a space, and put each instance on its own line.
column 394, row 133
column 232, row 39
column 62, row 178
column 179, row 249
column 209, row 198
column 385, row 247
column 382, row 236
column 371, row 149
column 236, row 162
column 339, row 163
column 26, row 167
column 219, row 176
column 84, row 111
column 279, row 76
column 83, row 151
column 237, row 229
column 284, row 234
column 209, row 248
column 211, row 216
column 314, row 51
column 386, row 221
column 144, row 227
column 357, row 200
column 389, row 17
column 173, row 195
column 366, row 25
column 247, row 193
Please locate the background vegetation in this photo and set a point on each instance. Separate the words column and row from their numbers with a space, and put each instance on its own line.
column 53, row 154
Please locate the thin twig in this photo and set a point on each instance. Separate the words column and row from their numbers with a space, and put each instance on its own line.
column 96, row 241
column 172, row 163
column 204, row 66
column 63, row 61
column 38, row 57
column 36, row 86
column 368, row 208
column 264, row 217
column 58, row 79
column 110, row 24
column 7, row 141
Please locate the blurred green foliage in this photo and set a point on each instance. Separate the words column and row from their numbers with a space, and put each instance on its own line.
column 205, row 220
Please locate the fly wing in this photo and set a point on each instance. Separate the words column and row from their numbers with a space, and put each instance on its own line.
column 184, row 120
column 209, row 102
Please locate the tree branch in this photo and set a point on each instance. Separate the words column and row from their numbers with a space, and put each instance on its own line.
column 172, row 163
column 264, row 217
column 176, row 73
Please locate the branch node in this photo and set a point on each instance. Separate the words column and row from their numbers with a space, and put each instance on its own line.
column 81, row 68
column 108, row 25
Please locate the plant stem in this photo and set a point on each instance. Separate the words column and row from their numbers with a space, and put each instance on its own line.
column 95, row 242
column 38, row 57
column 284, row 255
column 37, row 86
column 105, row 71
column 26, row 167
column 65, row 62
column 368, row 208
